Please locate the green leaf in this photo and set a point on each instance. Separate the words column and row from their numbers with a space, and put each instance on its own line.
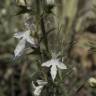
column 23, row 10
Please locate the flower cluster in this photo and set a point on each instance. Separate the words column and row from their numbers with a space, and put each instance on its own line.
column 26, row 41
column 54, row 64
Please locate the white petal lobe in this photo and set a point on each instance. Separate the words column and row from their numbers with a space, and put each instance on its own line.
column 47, row 64
column 38, row 90
column 41, row 82
column 30, row 40
column 19, row 48
column 53, row 72
column 19, row 35
column 60, row 65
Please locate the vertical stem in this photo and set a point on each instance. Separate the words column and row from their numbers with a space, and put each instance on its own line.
column 12, row 85
column 44, row 34
column 12, row 79
column 22, row 81
column 38, row 7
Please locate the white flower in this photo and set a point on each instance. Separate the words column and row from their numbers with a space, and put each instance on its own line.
column 54, row 64
column 38, row 89
column 24, row 38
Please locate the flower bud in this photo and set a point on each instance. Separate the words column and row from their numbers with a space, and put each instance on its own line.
column 92, row 82
column 20, row 2
column 50, row 2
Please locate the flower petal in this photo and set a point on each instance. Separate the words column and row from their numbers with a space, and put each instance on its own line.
column 60, row 65
column 47, row 64
column 31, row 40
column 19, row 48
column 19, row 35
column 53, row 72
column 33, row 85
column 41, row 82
column 38, row 90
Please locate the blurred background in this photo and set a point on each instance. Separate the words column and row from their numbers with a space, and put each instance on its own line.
column 9, row 24
column 85, row 36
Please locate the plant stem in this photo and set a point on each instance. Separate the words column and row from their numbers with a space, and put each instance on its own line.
column 44, row 34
